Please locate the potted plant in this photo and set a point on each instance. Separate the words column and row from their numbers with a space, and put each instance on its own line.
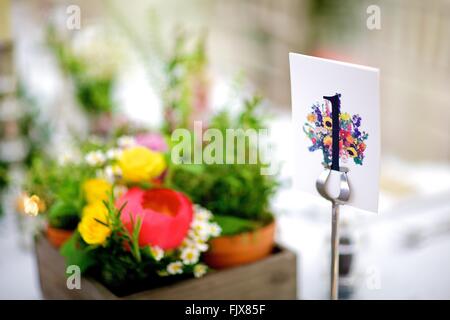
column 237, row 194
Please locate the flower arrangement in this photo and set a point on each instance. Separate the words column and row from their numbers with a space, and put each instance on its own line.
column 125, row 249
column 128, row 227
column 318, row 128
column 139, row 220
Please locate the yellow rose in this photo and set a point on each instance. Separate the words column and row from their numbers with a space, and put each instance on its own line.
column 96, row 190
column 92, row 227
column 140, row 164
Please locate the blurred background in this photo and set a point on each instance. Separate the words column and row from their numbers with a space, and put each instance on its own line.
column 401, row 253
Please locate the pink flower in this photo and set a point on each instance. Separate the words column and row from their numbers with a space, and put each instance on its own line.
column 166, row 215
column 153, row 141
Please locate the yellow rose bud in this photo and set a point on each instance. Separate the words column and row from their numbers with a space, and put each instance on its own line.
column 140, row 164
column 93, row 226
column 96, row 190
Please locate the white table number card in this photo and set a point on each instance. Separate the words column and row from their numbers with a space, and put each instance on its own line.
column 332, row 99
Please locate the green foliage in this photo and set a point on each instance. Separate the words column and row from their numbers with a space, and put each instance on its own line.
column 63, row 215
column 32, row 126
column 93, row 93
column 184, row 69
column 3, row 181
column 60, row 186
column 3, row 175
column 236, row 190
column 233, row 225
column 237, row 194
column 77, row 253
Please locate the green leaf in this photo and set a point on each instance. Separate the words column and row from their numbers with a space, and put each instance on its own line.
column 77, row 253
column 232, row 225
column 63, row 215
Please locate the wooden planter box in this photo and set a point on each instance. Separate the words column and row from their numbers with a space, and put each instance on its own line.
column 271, row 278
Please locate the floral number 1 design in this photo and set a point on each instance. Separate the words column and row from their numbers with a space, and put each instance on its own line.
column 318, row 128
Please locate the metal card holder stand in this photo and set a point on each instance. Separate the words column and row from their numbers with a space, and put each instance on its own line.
column 342, row 198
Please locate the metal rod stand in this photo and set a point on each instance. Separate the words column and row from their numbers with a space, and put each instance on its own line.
column 334, row 251
column 342, row 198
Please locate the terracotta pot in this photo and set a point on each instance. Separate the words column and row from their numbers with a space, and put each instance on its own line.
column 230, row 251
column 57, row 236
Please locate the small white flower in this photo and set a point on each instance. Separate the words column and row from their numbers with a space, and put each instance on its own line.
column 200, row 230
column 190, row 255
column 187, row 242
column 201, row 246
column 120, row 190
column 31, row 205
column 201, row 213
column 113, row 154
column 214, row 229
column 196, row 243
column 126, row 142
column 113, row 173
column 200, row 270
column 175, row 268
column 95, row 158
column 157, row 253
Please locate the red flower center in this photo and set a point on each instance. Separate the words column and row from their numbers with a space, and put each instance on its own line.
column 161, row 202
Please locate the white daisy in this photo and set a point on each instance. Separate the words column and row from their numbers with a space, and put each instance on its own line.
column 201, row 213
column 214, row 229
column 200, row 230
column 126, row 142
column 95, row 158
column 190, row 255
column 113, row 154
column 201, row 246
column 175, row 268
column 200, row 270
column 157, row 253
column 187, row 242
column 195, row 243
column 113, row 173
